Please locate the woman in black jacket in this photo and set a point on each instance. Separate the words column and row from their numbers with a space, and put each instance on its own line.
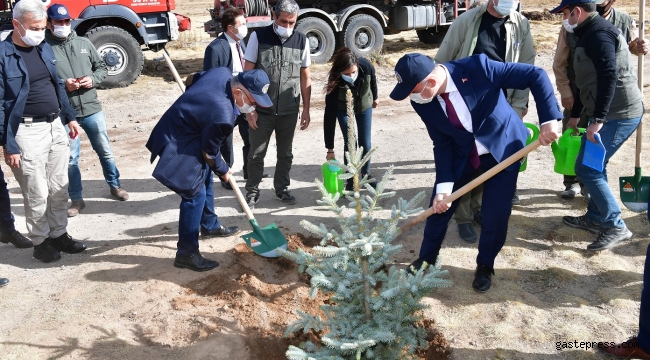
column 357, row 75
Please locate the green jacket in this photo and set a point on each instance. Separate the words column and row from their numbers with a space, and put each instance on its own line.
column 76, row 57
column 461, row 38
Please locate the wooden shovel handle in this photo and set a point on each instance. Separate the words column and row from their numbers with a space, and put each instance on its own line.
column 173, row 70
column 639, row 136
column 240, row 197
column 472, row 184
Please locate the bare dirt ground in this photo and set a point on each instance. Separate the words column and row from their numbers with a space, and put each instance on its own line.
column 123, row 299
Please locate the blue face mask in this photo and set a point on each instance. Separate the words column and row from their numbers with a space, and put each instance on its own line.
column 350, row 79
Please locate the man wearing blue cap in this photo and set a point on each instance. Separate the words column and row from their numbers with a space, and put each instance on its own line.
column 188, row 139
column 608, row 93
column 473, row 128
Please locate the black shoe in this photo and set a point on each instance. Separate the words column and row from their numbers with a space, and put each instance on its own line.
column 515, row 198
column 3, row 282
column 221, row 231
column 482, row 278
column 45, row 252
column 66, row 244
column 609, row 237
column 17, row 239
column 467, row 233
column 226, row 185
column 478, row 218
column 251, row 200
column 195, row 262
column 286, row 197
column 415, row 266
column 582, row 222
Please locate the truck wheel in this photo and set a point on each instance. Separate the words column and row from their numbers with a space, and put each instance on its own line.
column 434, row 35
column 121, row 53
column 320, row 38
column 363, row 35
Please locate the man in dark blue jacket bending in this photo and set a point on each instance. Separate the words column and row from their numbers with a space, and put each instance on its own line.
column 188, row 139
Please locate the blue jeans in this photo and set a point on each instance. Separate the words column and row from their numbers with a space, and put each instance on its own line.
column 364, row 130
column 6, row 217
column 603, row 208
column 196, row 214
column 95, row 128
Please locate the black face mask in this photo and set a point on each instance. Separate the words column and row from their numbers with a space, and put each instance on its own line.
column 602, row 10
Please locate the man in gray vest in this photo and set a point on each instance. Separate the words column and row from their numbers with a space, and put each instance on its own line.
column 565, row 75
column 284, row 55
column 608, row 93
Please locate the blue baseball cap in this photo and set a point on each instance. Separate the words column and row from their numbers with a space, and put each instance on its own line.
column 566, row 3
column 257, row 83
column 410, row 70
column 58, row 12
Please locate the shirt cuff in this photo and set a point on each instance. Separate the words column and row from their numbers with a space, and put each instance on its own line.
column 445, row 188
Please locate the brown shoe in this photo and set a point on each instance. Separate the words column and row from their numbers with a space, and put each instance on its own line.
column 627, row 350
column 120, row 194
column 17, row 239
column 76, row 207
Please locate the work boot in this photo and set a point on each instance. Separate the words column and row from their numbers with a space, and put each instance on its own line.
column 571, row 191
column 66, row 244
column 17, row 239
column 609, row 237
column 120, row 193
column 76, row 207
column 46, row 253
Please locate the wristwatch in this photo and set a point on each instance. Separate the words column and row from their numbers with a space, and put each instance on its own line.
column 599, row 120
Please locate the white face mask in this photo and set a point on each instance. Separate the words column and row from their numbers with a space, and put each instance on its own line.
column 32, row 38
column 62, row 31
column 568, row 27
column 242, row 31
column 418, row 99
column 283, row 31
column 350, row 79
column 505, row 7
column 245, row 108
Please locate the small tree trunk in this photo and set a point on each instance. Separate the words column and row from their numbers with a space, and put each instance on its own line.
column 366, row 287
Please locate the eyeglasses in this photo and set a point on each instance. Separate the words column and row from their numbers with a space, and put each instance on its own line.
column 253, row 103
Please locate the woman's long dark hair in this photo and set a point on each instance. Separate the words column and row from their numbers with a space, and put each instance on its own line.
column 342, row 60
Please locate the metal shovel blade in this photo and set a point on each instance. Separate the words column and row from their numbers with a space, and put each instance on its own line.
column 264, row 241
column 635, row 190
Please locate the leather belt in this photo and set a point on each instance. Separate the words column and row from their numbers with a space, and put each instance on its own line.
column 47, row 118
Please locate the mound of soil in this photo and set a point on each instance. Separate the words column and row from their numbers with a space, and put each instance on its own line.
column 263, row 295
column 541, row 15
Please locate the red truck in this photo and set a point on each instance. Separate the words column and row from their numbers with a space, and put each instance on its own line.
column 119, row 29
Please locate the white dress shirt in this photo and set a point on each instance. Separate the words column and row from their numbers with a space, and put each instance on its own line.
column 237, row 66
column 465, row 118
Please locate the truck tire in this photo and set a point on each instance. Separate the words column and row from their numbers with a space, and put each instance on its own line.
column 121, row 53
column 433, row 35
column 320, row 38
column 363, row 35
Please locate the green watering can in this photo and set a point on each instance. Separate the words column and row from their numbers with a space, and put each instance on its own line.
column 565, row 151
column 531, row 137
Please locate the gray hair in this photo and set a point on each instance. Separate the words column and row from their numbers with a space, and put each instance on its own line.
column 287, row 6
column 35, row 8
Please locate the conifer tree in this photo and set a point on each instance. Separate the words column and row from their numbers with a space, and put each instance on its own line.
column 373, row 306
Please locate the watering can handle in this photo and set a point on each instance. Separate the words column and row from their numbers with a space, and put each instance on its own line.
column 474, row 183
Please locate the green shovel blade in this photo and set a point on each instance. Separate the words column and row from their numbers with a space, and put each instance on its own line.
column 265, row 240
column 635, row 190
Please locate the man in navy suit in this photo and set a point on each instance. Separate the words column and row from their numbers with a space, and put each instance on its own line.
column 473, row 128
column 228, row 50
column 188, row 139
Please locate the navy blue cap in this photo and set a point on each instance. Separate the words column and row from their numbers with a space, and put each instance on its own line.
column 257, row 83
column 410, row 70
column 566, row 3
column 58, row 12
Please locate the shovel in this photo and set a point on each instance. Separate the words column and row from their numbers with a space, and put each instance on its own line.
column 472, row 184
column 635, row 189
column 263, row 241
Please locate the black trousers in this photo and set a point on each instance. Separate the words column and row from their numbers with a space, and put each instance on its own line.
column 227, row 148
